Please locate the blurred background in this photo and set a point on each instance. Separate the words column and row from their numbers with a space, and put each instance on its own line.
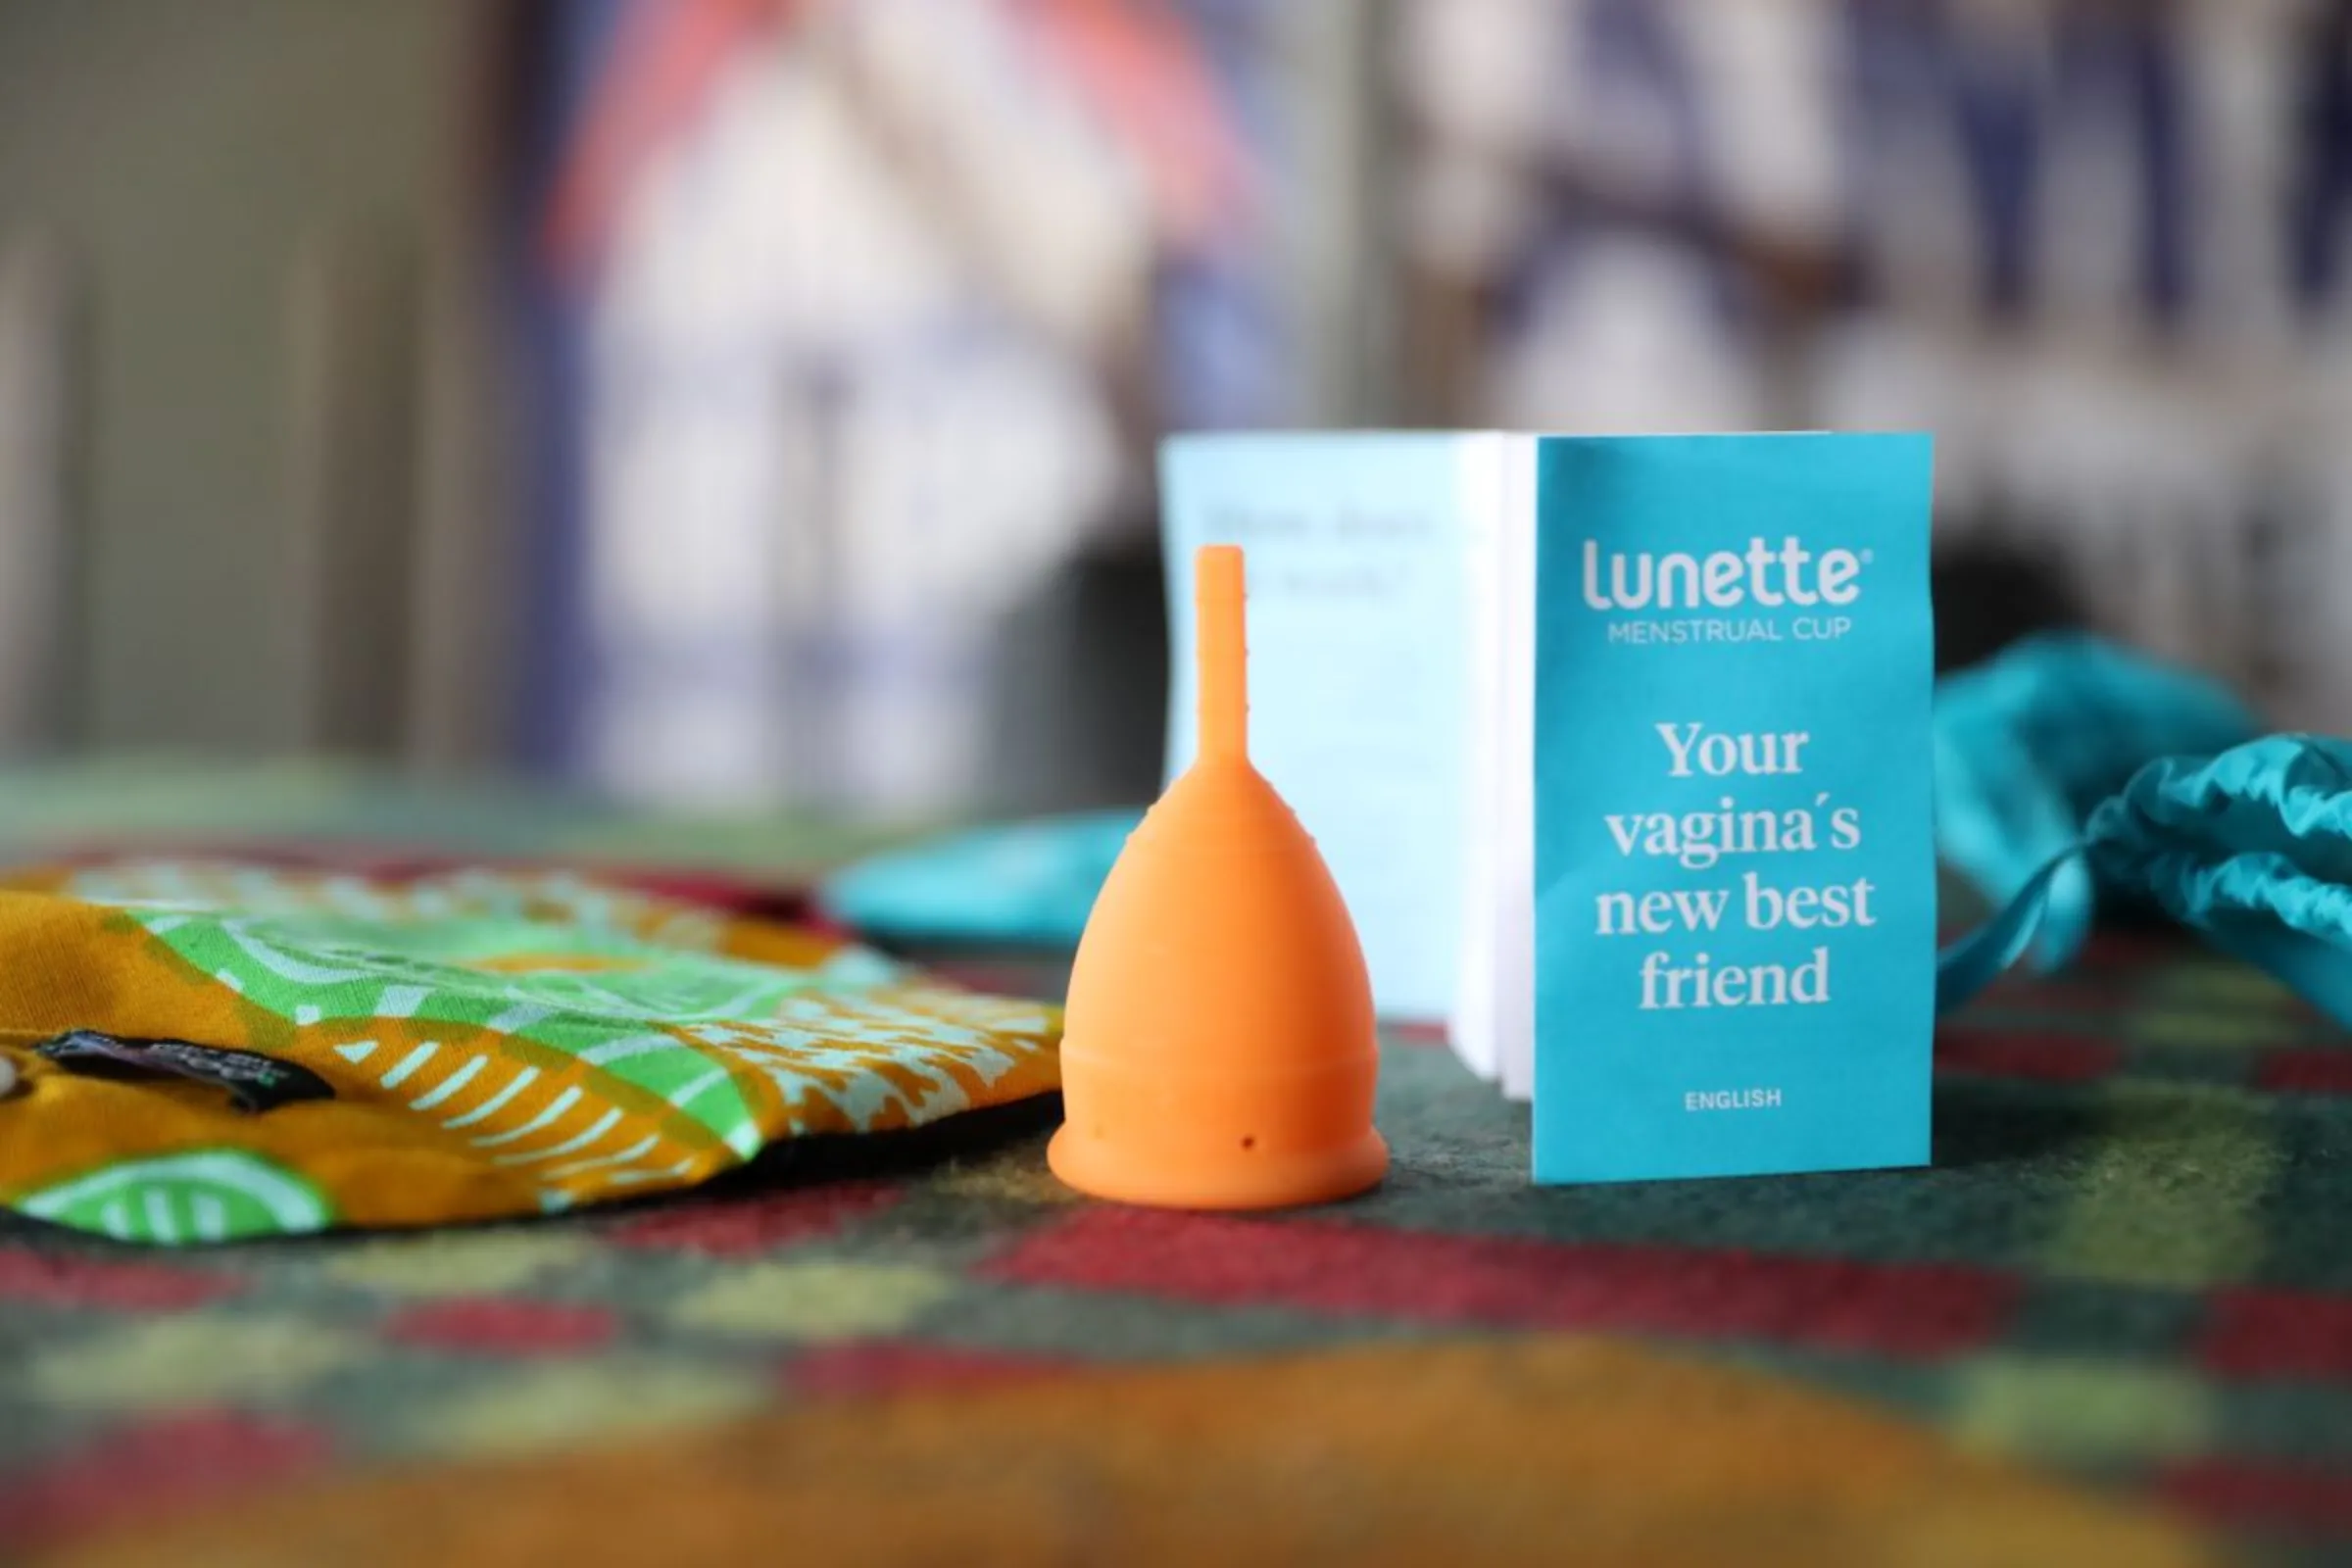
column 749, row 405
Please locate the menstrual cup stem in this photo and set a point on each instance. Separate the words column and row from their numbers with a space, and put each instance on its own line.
column 1218, row 605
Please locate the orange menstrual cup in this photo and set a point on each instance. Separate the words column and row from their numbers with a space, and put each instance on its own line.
column 1218, row 1048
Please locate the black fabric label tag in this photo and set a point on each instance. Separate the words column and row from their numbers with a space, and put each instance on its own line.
column 255, row 1082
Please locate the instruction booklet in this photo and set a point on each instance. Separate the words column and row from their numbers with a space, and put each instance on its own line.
column 1618, row 749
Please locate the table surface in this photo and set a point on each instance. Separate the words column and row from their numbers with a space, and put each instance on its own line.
column 2111, row 1323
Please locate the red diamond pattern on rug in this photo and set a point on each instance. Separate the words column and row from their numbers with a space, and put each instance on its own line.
column 2278, row 1334
column 2042, row 1056
column 153, row 1469
column 124, row 1285
column 505, row 1327
column 747, row 1227
column 1912, row 1310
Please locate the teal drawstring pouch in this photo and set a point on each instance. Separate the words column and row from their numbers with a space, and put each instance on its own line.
column 2251, row 848
column 2029, row 745
column 1014, row 885
column 2254, row 849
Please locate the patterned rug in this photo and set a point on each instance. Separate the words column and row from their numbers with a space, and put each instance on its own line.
column 2112, row 1324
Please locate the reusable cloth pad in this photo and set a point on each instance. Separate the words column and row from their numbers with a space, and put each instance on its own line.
column 212, row 1052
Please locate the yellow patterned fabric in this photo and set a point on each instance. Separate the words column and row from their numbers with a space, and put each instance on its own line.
column 209, row 1051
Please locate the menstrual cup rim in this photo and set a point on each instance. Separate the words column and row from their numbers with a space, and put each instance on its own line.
column 1247, row 1181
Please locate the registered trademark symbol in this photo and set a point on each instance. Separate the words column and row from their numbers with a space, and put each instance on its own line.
column 1867, row 555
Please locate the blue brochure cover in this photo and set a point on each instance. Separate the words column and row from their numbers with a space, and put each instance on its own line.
column 1359, row 658
column 1735, row 923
